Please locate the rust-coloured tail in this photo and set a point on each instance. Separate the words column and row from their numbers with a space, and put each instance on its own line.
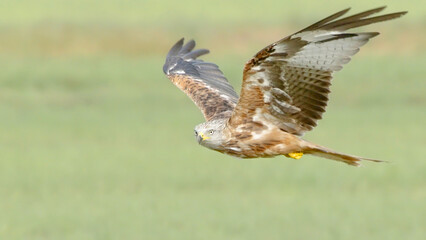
column 324, row 152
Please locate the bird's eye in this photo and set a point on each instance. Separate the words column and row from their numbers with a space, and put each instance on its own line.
column 196, row 133
column 211, row 131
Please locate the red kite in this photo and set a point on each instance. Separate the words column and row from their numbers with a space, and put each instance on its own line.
column 284, row 91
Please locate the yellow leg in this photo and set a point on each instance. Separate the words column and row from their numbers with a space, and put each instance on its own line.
column 295, row 155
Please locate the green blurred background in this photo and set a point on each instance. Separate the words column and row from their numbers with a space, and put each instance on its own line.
column 96, row 143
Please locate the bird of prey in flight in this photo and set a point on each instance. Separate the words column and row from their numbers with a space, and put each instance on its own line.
column 284, row 91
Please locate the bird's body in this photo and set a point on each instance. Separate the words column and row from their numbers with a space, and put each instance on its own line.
column 285, row 89
column 263, row 142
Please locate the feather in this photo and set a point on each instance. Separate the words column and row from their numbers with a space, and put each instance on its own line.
column 203, row 82
column 302, row 66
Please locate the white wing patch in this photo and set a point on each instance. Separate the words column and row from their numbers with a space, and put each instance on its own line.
column 329, row 55
column 179, row 72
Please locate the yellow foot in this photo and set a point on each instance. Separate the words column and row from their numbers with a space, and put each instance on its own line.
column 295, row 155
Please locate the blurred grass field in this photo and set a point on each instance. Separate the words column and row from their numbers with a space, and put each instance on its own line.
column 96, row 143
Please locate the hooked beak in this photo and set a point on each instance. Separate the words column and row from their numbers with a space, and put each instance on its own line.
column 201, row 137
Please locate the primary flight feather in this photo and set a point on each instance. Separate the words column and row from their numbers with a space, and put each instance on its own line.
column 284, row 91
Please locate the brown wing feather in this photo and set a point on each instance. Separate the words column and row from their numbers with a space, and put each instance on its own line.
column 287, row 82
column 203, row 82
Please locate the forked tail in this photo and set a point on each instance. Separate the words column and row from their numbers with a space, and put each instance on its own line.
column 324, row 152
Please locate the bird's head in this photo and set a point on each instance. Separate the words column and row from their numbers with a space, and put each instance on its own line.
column 210, row 134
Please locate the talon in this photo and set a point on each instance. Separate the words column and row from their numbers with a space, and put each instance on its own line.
column 295, row 155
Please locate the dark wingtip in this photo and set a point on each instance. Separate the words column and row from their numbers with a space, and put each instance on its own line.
column 196, row 53
column 189, row 46
column 326, row 20
column 343, row 12
column 181, row 51
column 398, row 14
column 374, row 34
column 176, row 48
column 380, row 8
column 403, row 13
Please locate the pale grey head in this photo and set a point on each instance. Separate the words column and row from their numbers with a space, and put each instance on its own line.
column 210, row 134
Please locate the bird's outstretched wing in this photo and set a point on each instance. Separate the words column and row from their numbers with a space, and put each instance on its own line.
column 203, row 82
column 287, row 82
